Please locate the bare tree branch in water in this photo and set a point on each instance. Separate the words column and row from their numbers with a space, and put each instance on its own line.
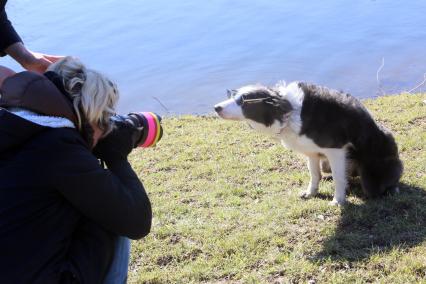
column 380, row 92
column 419, row 85
column 166, row 109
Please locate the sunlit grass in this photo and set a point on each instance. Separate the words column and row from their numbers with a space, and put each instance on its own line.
column 226, row 209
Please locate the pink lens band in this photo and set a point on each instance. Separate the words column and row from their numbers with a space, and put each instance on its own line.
column 158, row 125
column 152, row 129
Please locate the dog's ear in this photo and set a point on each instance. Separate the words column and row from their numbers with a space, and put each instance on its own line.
column 281, row 106
column 286, row 109
column 230, row 93
column 285, row 106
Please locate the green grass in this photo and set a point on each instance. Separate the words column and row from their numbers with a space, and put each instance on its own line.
column 226, row 209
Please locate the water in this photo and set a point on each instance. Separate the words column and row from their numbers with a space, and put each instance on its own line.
column 186, row 53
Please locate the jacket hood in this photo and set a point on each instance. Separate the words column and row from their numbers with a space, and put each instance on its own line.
column 29, row 91
column 35, row 92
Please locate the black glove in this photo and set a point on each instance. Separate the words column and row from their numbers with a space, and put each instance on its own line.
column 117, row 145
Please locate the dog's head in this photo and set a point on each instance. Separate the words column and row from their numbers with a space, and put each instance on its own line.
column 261, row 107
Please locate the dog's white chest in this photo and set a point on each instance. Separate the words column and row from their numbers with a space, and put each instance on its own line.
column 298, row 143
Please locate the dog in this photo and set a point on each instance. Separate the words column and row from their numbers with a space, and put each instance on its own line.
column 328, row 127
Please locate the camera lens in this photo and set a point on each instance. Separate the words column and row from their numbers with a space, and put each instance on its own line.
column 148, row 125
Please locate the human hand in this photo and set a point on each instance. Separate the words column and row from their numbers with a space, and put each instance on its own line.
column 32, row 61
column 39, row 62
column 117, row 145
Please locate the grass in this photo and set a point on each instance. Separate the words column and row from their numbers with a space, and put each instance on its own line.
column 226, row 209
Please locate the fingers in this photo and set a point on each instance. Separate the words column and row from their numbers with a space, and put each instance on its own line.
column 41, row 62
column 53, row 58
column 47, row 57
column 32, row 61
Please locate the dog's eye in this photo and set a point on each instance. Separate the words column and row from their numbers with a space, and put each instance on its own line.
column 268, row 101
column 239, row 100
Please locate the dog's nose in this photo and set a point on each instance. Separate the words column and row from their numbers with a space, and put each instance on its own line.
column 218, row 108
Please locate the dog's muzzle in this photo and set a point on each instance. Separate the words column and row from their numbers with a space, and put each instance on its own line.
column 218, row 108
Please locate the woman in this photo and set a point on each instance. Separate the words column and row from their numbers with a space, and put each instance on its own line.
column 61, row 213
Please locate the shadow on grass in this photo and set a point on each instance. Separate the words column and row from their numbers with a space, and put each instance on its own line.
column 378, row 226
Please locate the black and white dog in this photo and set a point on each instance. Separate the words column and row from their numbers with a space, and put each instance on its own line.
column 323, row 124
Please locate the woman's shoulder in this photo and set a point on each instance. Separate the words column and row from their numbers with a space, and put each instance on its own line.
column 61, row 138
column 64, row 148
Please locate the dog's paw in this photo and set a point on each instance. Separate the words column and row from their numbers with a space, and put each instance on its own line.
column 336, row 202
column 307, row 194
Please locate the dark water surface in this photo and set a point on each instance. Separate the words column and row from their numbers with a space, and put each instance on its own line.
column 186, row 53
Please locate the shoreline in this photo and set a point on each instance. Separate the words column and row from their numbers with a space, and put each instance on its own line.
column 212, row 113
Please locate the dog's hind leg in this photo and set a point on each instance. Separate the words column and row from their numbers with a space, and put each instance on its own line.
column 337, row 159
column 315, row 172
column 325, row 166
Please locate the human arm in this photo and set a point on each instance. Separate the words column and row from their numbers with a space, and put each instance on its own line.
column 11, row 44
column 32, row 61
column 114, row 197
column 8, row 35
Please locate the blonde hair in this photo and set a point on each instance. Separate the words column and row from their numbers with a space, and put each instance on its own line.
column 93, row 95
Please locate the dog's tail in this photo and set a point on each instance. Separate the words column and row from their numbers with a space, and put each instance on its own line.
column 380, row 176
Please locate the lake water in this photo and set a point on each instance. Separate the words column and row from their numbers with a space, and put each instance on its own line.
column 186, row 53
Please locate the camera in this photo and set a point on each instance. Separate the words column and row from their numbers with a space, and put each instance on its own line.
column 148, row 126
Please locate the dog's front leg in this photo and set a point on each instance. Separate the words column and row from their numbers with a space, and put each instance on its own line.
column 315, row 172
column 337, row 159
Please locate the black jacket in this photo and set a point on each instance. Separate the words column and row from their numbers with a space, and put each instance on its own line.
column 8, row 35
column 59, row 209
